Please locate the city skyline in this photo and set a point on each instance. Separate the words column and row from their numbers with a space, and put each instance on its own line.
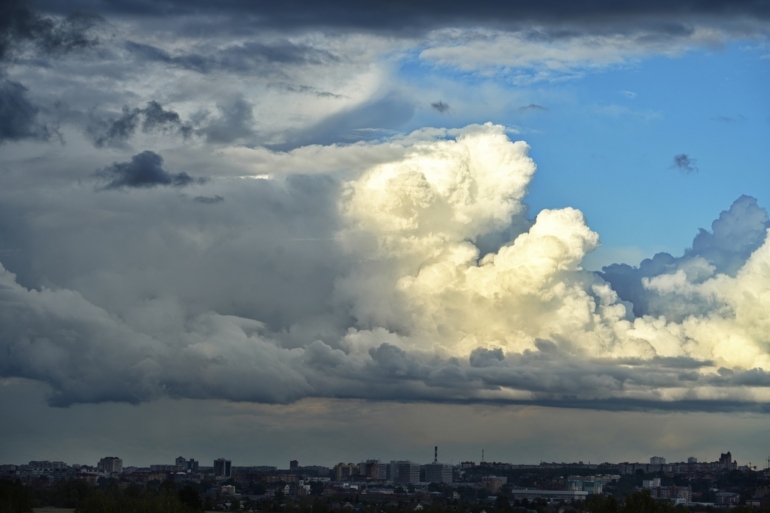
column 189, row 462
column 223, row 468
column 396, row 485
column 106, row 464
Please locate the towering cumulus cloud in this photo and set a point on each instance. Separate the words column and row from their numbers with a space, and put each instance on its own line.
column 416, row 303
column 737, row 233
column 424, row 213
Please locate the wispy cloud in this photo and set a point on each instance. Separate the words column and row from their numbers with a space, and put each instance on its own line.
column 729, row 119
column 615, row 110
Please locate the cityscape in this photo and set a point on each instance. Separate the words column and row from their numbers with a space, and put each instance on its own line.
column 722, row 483
column 384, row 256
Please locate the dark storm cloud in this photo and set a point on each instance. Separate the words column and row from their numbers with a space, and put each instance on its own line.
column 145, row 170
column 481, row 357
column 120, row 129
column 153, row 119
column 410, row 17
column 23, row 29
column 21, row 26
column 440, row 106
column 734, row 236
column 18, row 115
column 247, row 57
column 684, row 163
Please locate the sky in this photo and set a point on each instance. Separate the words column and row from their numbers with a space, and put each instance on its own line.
column 338, row 231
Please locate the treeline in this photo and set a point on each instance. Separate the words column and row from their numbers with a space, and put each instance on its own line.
column 14, row 497
column 17, row 498
column 641, row 502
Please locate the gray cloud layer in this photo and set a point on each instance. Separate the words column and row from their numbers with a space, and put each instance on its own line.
column 427, row 14
column 21, row 25
column 249, row 57
column 18, row 116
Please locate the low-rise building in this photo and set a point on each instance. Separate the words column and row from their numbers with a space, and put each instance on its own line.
column 549, row 494
column 759, row 501
column 727, row 498
column 493, row 483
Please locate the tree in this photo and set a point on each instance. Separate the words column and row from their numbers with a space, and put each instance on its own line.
column 70, row 493
column 14, row 497
column 642, row 502
column 190, row 498
column 601, row 504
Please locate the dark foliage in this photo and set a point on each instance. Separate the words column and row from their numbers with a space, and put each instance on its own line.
column 14, row 498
